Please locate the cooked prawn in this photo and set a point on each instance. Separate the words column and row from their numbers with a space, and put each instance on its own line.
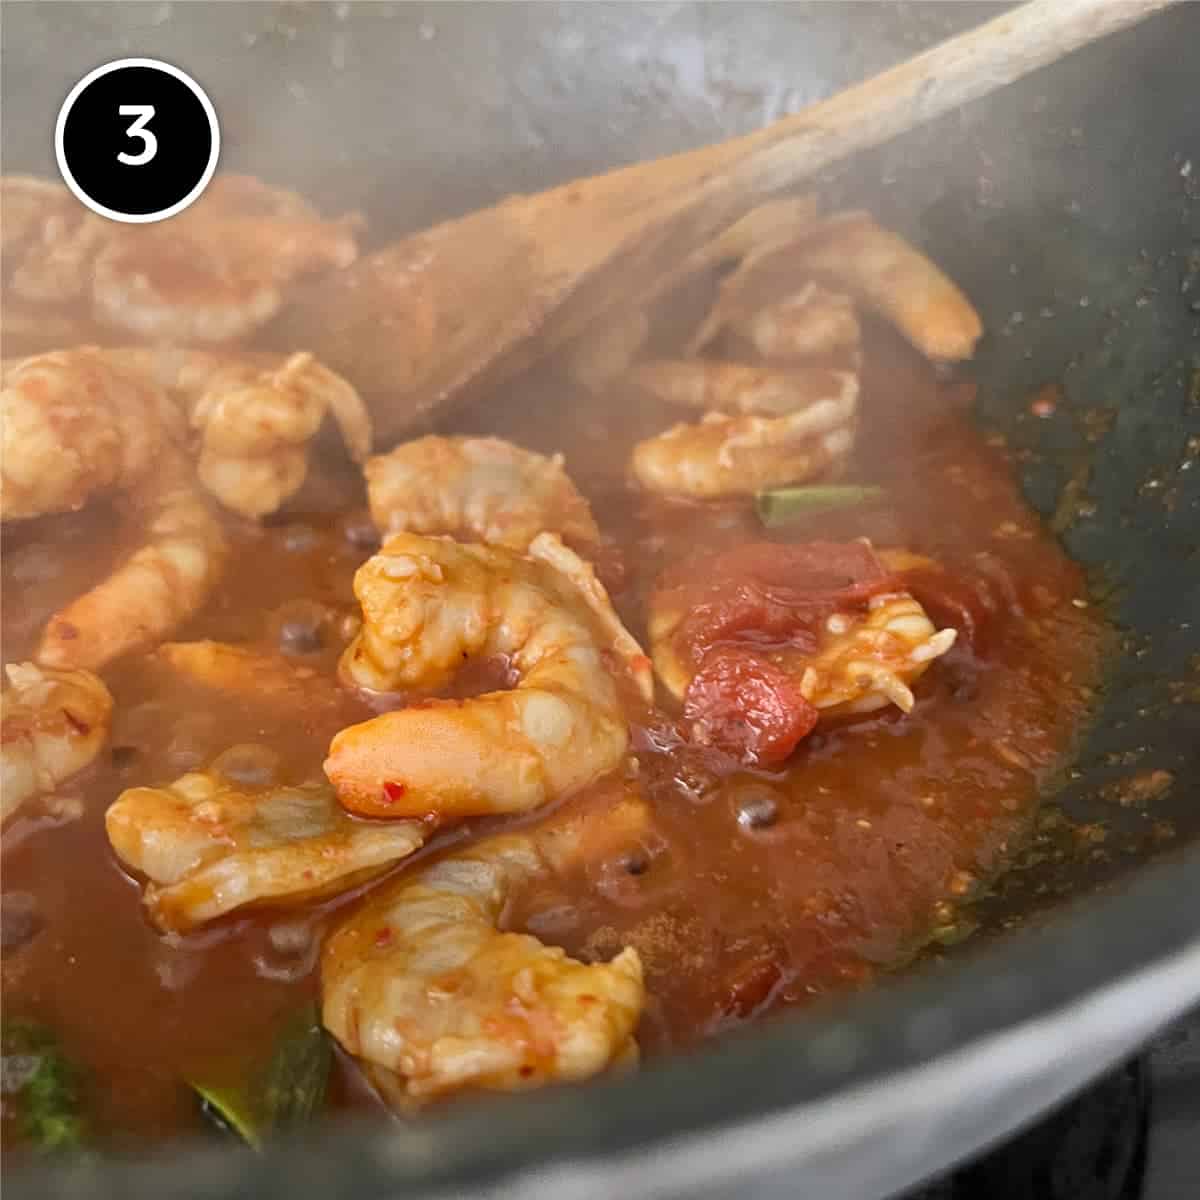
column 731, row 455
column 208, row 845
column 255, row 415
column 431, row 604
column 77, row 422
column 741, row 388
column 814, row 322
column 424, row 986
column 47, row 240
column 484, row 489
column 868, row 664
column 756, row 235
column 213, row 273
column 851, row 253
column 808, row 322
column 863, row 662
column 52, row 724
column 154, row 590
column 879, row 267
column 29, row 206
column 767, row 275
column 761, row 642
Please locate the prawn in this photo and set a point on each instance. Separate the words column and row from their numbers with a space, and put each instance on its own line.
column 423, row 984
column 52, row 724
column 157, row 588
column 868, row 664
column 75, row 423
column 213, row 273
column 808, row 322
column 485, row 489
column 79, row 422
column 892, row 276
column 729, row 455
column 431, row 604
column 47, row 240
column 849, row 252
column 863, row 662
column 31, row 207
column 208, row 845
column 816, row 652
column 599, row 356
column 740, row 388
column 811, row 323
column 255, row 415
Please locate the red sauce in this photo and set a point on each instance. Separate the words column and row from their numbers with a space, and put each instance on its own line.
column 753, row 890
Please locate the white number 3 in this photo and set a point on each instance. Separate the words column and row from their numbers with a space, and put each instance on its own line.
column 144, row 113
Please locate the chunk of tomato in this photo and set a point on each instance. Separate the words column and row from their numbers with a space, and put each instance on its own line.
column 772, row 594
column 742, row 703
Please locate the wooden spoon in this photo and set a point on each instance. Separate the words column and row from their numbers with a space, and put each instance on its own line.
column 456, row 308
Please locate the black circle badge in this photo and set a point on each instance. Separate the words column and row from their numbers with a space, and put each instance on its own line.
column 137, row 140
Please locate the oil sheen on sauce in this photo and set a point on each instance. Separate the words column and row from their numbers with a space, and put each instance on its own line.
column 751, row 891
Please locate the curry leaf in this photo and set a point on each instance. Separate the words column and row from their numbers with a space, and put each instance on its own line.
column 286, row 1091
column 781, row 505
column 298, row 1074
column 231, row 1111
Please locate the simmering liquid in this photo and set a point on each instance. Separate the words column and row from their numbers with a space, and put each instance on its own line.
column 751, row 891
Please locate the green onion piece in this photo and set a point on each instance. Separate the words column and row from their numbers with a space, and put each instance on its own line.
column 781, row 505
column 47, row 1089
column 285, row 1092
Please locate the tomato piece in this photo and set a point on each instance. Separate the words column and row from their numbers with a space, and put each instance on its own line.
column 745, row 611
column 770, row 593
column 742, row 603
column 742, row 703
column 800, row 575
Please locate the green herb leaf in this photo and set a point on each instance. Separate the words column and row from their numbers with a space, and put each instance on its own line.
column 285, row 1092
column 47, row 1088
column 781, row 505
column 295, row 1083
column 231, row 1111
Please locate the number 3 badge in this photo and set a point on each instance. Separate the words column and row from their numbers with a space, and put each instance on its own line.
column 137, row 140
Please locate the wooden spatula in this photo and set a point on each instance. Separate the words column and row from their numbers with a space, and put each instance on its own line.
column 459, row 307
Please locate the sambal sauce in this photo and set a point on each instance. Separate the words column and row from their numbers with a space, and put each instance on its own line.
column 782, row 813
